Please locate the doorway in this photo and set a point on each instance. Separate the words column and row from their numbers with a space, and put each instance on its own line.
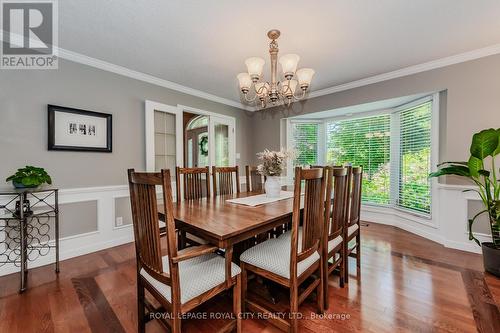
column 185, row 136
column 195, row 140
column 208, row 140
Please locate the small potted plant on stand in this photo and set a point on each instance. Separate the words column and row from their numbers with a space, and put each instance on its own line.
column 29, row 177
column 481, row 169
column 272, row 167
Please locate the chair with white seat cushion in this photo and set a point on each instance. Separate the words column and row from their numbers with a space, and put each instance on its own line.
column 352, row 230
column 289, row 261
column 180, row 280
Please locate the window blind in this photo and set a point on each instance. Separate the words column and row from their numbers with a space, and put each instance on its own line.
column 415, row 158
column 366, row 142
column 305, row 143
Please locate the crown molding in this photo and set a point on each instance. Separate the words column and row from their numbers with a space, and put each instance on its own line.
column 124, row 71
column 127, row 72
column 415, row 69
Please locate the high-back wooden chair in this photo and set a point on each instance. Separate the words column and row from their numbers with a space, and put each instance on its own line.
column 333, row 255
column 289, row 261
column 191, row 184
column 225, row 180
column 352, row 226
column 178, row 281
column 254, row 180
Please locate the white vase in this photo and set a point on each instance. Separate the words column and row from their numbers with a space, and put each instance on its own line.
column 272, row 186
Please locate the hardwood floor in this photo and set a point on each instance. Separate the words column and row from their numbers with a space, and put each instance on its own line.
column 408, row 284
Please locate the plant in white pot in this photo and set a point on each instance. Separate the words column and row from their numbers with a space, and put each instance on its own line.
column 481, row 169
column 272, row 167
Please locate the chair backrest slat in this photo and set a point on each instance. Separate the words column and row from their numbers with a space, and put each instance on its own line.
column 195, row 181
column 355, row 200
column 223, row 182
column 254, row 180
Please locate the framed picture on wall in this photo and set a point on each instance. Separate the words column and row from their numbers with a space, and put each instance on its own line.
column 79, row 130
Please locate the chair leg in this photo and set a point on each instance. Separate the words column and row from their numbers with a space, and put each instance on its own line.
column 141, row 309
column 244, row 281
column 342, row 270
column 176, row 322
column 294, row 308
column 181, row 242
column 237, row 303
column 358, row 254
column 320, row 289
column 324, row 273
column 346, row 264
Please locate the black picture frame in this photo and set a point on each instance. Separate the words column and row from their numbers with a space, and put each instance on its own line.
column 51, row 109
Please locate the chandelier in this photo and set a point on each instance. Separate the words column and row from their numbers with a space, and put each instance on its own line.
column 275, row 92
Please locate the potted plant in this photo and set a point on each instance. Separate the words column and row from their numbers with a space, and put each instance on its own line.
column 482, row 170
column 29, row 177
column 273, row 164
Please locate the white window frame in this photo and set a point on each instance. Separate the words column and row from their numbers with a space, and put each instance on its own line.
column 428, row 220
column 321, row 139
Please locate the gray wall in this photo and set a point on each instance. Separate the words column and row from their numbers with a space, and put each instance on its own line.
column 24, row 96
column 471, row 92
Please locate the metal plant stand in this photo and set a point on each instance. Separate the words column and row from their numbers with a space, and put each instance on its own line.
column 25, row 216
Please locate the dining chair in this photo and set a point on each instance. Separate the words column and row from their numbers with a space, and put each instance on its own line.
column 254, row 180
column 352, row 227
column 290, row 261
column 333, row 255
column 180, row 280
column 191, row 184
column 223, row 182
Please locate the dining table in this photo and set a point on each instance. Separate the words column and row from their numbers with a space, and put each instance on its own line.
column 225, row 224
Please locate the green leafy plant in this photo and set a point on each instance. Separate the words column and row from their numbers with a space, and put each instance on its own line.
column 481, row 169
column 30, row 176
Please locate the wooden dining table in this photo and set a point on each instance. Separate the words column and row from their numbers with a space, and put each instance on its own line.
column 225, row 224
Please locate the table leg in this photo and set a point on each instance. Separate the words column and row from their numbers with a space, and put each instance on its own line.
column 229, row 261
column 56, row 222
column 23, row 238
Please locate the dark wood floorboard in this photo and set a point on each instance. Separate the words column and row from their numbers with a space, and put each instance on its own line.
column 408, row 284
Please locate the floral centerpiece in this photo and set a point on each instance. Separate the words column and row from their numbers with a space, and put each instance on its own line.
column 272, row 167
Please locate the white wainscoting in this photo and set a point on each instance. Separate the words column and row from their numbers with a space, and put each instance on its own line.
column 106, row 235
column 448, row 225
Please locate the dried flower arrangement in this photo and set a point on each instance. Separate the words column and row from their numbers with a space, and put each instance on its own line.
column 273, row 162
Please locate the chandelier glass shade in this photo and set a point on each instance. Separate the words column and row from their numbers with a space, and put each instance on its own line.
column 274, row 91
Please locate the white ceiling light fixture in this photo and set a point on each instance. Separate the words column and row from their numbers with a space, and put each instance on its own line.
column 275, row 91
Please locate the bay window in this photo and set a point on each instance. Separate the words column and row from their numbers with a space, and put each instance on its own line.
column 393, row 146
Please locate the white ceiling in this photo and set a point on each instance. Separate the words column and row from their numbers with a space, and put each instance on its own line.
column 203, row 44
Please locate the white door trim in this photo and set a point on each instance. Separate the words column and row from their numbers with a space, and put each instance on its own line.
column 221, row 118
column 150, row 109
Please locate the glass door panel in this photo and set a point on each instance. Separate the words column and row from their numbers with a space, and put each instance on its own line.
column 221, row 141
column 221, row 132
column 165, row 141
